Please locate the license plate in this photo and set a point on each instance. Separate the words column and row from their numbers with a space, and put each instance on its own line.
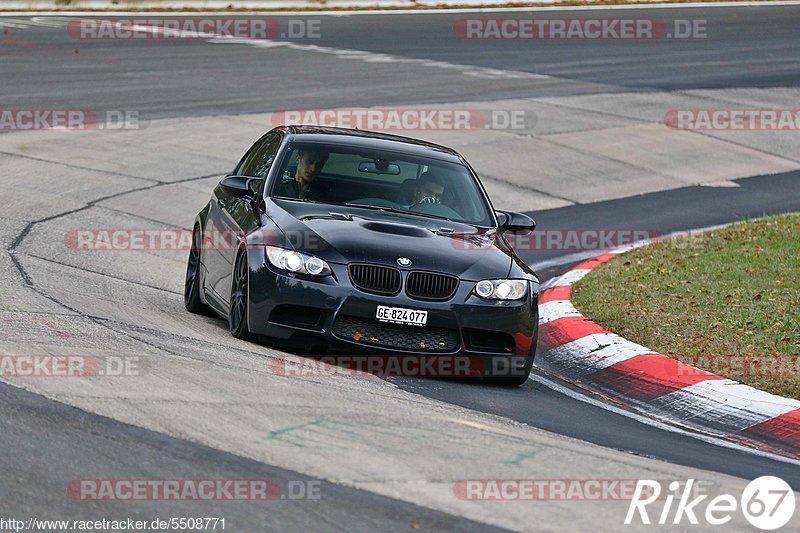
column 398, row 315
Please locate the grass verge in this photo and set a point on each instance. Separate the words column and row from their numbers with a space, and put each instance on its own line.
column 727, row 301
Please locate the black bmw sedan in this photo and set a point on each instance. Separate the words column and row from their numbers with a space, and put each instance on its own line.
column 342, row 239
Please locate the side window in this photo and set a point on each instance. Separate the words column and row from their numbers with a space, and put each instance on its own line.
column 247, row 157
column 260, row 160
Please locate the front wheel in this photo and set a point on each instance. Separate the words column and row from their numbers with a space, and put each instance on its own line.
column 510, row 375
column 237, row 314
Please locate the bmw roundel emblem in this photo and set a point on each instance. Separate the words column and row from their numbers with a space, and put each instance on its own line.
column 404, row 261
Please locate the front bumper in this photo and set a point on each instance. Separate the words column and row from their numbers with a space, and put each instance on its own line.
column 329, row 311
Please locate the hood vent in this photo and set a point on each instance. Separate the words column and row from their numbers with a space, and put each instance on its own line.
column 396, row 229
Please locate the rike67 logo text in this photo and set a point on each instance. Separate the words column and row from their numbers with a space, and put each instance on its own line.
column 767, row 503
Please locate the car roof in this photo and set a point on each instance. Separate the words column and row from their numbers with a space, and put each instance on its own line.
column 370, row 139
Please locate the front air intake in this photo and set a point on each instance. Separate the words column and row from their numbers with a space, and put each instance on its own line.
column 431, row 286
column 376, row 279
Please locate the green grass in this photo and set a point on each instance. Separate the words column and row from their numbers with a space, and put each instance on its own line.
column 727, row 301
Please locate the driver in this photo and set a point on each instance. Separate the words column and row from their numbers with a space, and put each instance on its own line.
column 309, row 164
column 429, row 189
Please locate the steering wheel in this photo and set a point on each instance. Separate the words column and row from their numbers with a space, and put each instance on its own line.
column 428, row 200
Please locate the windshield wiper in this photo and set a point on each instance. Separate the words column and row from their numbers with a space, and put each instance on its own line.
column 396, row 210
column 378, row 207
column 297, row 199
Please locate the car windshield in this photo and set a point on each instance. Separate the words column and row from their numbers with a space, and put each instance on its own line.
column 391, row 181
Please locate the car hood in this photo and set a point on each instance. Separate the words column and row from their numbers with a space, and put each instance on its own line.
column 341, row 234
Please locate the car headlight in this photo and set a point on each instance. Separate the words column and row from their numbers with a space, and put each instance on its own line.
column 501, row 289
column 297, row 262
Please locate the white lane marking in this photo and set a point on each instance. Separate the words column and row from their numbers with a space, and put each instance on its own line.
column 13, row 23
column 647, row 420
column 570, row 277
column 723, row 183
column 49, row 22
column 375, row 57
column 359, row 55
column 480, row 426
column 594, row 352
column 346, row 13
column 556, row 309
column 739, row 405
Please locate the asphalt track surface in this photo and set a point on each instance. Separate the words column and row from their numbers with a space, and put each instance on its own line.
column 744, row 47
column 750, row 48
column 70, row 440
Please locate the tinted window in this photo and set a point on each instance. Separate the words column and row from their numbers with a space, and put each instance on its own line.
column 260, row 159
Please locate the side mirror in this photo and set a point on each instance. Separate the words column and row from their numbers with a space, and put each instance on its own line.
column 515, row 222
column 240, row 186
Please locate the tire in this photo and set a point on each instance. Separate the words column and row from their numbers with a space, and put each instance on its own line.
column 511, row 381
column 237, row 313
column 191, row 290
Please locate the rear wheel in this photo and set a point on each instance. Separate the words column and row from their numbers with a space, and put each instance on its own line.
column 237, row 315
column 191, row 289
